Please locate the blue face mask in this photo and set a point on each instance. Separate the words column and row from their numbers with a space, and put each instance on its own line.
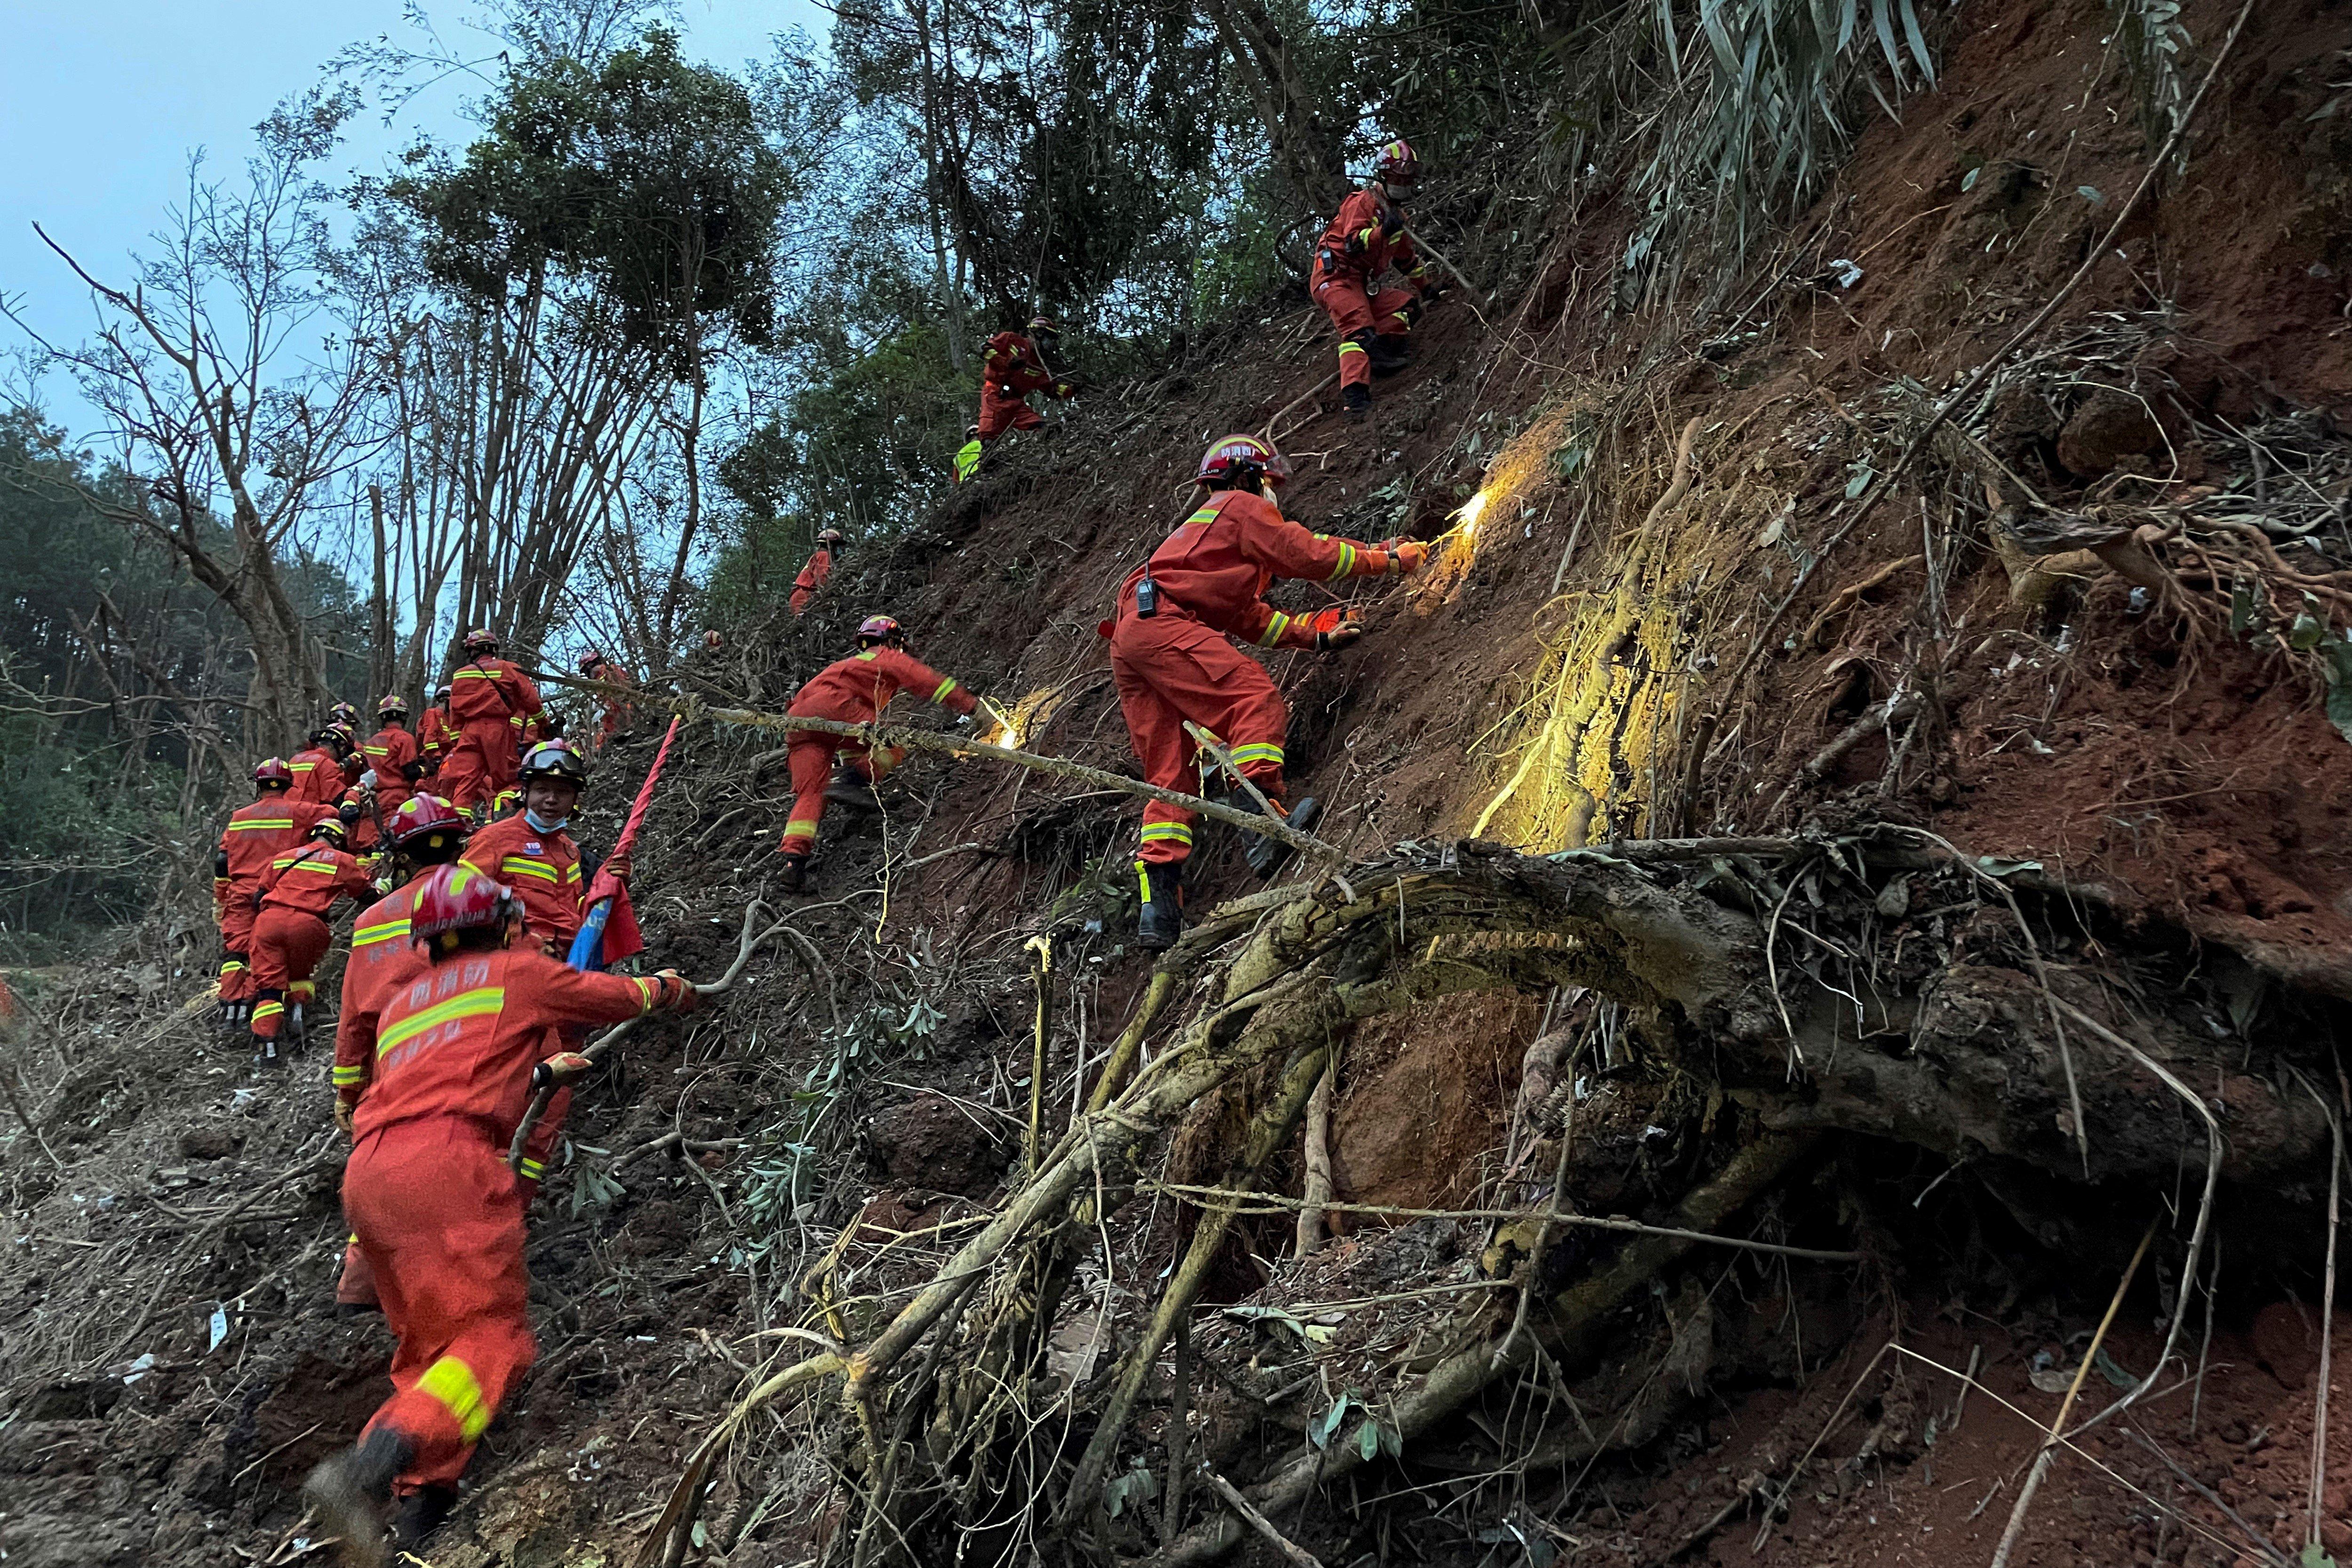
column 542, row 825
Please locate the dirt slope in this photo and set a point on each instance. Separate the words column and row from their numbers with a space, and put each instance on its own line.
column 1539, row 687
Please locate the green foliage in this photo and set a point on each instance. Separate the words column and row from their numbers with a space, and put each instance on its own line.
column 95, row 796
column 643, row 173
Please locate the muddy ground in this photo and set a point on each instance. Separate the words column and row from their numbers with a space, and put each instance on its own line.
column 2155, row 773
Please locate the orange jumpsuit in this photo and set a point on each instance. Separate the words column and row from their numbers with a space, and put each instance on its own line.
column 852, row 689
column 391, row 752
column 1010, row 369
column 543, row 869
column 382, row 961
column 289, row 933
column 493, row 702
column 820, row 567
column 256, row 834
column 1351, row 254
column 428, row 1191
column 318, row 776
column 436, row 740
column 616, row 711
column 1212, row 575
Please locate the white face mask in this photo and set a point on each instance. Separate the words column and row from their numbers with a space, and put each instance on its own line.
column 1398, row 193
column 540, row 824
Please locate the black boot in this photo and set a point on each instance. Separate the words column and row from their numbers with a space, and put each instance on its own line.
column 1358, row 400
column 848, row 789
column 1390, row 354
column 266, row 1054
column 1161, row 921
column 349, row 1492
column 420, row 1513
column 1265, row 855
column 796, row 873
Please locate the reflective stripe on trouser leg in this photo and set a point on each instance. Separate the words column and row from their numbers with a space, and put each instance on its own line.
column 811, row 768
column 269, row 1014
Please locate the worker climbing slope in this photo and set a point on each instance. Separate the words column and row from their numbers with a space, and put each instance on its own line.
column 819, row 567
column 1367, row 237
column 495, row 706
column 1171, row 662
column 437, row 737
column 425, row 832
column 392, row 765
column 291, row 934
column 275, row 824
column 438, row 1212
column 616, row 714
column 835, row 767
column 533, row 852
column 325, row 769
column 1013, row 365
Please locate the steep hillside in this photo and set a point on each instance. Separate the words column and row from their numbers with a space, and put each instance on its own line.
column 1962, row 923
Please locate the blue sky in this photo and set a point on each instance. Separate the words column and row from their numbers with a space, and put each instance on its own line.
column 101, row 102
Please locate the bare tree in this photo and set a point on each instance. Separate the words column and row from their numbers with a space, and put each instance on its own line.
column 232, row 370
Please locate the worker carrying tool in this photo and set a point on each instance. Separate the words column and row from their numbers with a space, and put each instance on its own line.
column 425, row 832
column 437, row 735
column 494, row 705
column 1366, row 238
column 819, row 567
column 323, row 770
column 1011, row 366
column 836, row 768
column 290, row 928
column 533, row 851
column 274, row 824
column 438, row 1212
column 617, row 713
column 1172, row 663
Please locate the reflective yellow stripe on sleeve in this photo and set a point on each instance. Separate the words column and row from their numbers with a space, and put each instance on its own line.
column 346, row 1076
column 262, row 824
column 940, row 695
column 1167, row 832
column 1274, row 630
column 1347, row 558
column 382, row 930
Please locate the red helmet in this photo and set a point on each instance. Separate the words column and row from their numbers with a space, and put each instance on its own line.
column 1045, row 324
column 554, row 760
column 591, row 659
column 1395, row 164
column 342, row 713
column 422, row 815
column 828, row 536
column 481, row 639
column 881, row 629
column 394, row 703
column 338, row 732
column 273, row 773
column 455, row 898
column 1238, row 462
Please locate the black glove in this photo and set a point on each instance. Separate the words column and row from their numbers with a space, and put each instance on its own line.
column 411, row 771
column 553, row 724
column 347, row 814
column 1392, row 222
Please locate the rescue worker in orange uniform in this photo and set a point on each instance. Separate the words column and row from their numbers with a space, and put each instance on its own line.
column 819, row 567
column 836, row 768
column 424, row 832
column 290, row 930
column 617, row 714
column 494, row 703
column 1171, row 662
column 394, row 762
column 321, row 770
column 1011, row 366
column 1366, row 238
column 533, row 851
column 256, row 834
column 428, row 1193
column 437, row 736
